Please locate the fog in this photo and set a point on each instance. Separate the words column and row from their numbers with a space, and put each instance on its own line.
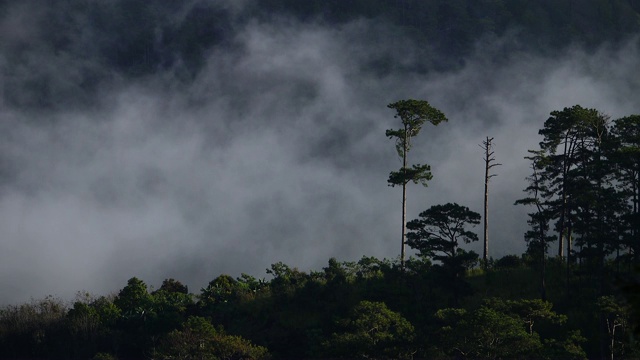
column 274, row 150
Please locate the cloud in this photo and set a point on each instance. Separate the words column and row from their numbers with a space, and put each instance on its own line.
column 274, row 151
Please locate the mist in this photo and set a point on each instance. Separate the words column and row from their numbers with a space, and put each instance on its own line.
column 273, row 150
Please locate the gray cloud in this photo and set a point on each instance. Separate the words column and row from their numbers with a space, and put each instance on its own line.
column 274, row 152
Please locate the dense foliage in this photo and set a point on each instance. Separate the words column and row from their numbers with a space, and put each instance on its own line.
column 365, row 309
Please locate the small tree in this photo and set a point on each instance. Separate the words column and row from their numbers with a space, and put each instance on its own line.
column 436, row 234
column 199, row 339
column 616, row 320
column 133, row 299
column 484, row 333
column 413, row 114
column 372, row 331
column 529, row 311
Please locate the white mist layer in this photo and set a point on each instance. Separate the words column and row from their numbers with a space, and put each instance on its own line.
column 275, row 152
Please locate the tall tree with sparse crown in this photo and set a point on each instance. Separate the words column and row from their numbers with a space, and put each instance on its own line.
column 413, row 114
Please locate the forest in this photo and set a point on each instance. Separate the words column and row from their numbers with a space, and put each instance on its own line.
column 572, row 295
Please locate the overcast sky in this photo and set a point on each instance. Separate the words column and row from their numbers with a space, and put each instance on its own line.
column 273, row 151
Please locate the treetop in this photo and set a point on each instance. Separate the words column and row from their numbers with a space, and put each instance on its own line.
column 417, row 112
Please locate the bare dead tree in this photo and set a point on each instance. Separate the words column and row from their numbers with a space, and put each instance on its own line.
column 490, row 163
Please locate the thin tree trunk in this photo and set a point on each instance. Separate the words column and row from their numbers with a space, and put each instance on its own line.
column 404, row 196
column 543, row 270
column 569, row 228
column 564, row 201
column 561, row 230
column 486, row 211
column 634, row 217
column 543, row 241
column 543, row 284
column 488, row 164
column 404, row 221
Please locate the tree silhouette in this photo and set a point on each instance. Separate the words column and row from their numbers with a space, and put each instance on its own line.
column 413, row 114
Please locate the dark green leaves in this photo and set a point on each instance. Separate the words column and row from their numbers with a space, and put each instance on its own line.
column 413, row 114
column 439, row 229
column 373, row 331
column 416, row 173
